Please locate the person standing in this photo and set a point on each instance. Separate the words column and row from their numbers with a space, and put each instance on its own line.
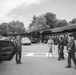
column 50, row 44
column 60, row 49
column 0, row 57
column 19, row 49
column 71, row 50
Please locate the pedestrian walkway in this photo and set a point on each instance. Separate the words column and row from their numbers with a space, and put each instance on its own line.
column 40, row 54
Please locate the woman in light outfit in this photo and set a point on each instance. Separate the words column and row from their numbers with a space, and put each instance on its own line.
column 50, row 44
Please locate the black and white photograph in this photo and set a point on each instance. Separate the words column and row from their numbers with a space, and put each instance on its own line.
column 37, row 37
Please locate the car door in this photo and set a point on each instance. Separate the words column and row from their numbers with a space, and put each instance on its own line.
column 7, row 50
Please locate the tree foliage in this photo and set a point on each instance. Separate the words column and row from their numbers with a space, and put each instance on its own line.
column 16, row 27
column 33, row 21
column 3, row 28
column 73, row 21
column 50, row 19
column 46, row 21
column 38, row 23
column 60, row 23
column 12, row 28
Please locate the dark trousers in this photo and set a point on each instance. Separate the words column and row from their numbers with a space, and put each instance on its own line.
column 71, row 56
column 61, row 54
column 0, row 58
column 18, row 56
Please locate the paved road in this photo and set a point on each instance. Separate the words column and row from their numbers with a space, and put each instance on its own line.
column 40, row 50
column 36, row 65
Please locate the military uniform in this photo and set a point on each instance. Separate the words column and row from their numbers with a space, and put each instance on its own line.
column 71, row 52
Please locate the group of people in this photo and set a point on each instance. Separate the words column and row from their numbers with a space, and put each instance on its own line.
column 70, row 49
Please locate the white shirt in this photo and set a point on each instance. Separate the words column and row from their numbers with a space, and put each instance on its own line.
column 50, row 43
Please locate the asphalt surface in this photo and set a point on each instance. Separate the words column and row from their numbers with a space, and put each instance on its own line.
column 37, row 65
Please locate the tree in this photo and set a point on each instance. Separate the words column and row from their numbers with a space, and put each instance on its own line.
column 50, row 19
column 16, row 27
column 3, row 29
column 73, row 21
column 38, row 24
column 60, row 23
column 32, row 22
column 12, row 28
column 42, row 23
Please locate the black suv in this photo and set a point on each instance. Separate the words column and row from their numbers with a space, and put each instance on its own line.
column 7, row 50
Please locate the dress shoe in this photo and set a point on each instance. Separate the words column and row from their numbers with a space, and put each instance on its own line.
column 68, row 67
column 58, row 59
column 17, row 62
column 75, row 67
column 63, row 58
column 0, row 61
column 20, row 62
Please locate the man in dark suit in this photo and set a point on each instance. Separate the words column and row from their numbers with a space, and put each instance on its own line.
column 18, row 47
column 71, row 50
column 0, row 58
column 19, row 51
column 60, row 49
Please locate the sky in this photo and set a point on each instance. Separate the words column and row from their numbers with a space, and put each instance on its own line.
column 24, row 10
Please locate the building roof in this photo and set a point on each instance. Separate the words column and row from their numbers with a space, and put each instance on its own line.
column 64, row 29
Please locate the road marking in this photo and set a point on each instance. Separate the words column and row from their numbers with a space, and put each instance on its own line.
column 38, row 54
column 30, row 54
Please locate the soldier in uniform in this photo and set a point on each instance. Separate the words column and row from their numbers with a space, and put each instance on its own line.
column 71, row 50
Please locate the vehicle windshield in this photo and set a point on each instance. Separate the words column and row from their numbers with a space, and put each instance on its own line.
column 5, row 38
